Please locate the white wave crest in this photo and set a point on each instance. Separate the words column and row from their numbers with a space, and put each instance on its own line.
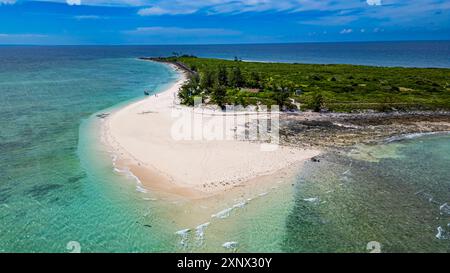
column 223, row 213
column 442, row 234
column 200, row 233
column 184, row 234
column 230, row 245
column 445, row 209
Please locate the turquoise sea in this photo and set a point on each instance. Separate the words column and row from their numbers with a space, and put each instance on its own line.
column 58, row 186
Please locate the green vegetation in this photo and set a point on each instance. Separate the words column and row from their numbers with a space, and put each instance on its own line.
column 316, row 87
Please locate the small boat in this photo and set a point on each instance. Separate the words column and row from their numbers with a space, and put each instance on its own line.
column 146, row 93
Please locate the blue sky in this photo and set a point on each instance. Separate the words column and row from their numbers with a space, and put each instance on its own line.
column 220, row 21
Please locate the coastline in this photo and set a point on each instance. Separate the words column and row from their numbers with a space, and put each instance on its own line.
column 138, row 134
column 59, row 183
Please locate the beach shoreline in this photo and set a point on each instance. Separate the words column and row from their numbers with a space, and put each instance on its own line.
column 138, row 136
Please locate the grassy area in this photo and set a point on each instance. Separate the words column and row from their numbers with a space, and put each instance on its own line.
column 333, row 87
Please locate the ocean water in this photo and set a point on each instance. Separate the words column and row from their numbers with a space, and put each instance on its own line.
column 395, row 194
column 407, row 53
column 48, row 193
column 58, row 186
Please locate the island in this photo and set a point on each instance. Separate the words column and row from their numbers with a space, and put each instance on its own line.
column 318, row 107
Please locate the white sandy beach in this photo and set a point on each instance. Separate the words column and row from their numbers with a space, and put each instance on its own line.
column 140, row 135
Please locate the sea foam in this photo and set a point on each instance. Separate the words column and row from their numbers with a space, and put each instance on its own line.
column 346, row 172
column 184, row 233
column 312, row 199
column 141, row 189
column 226, row 212
column 445, row 209
column 119, row 170
column 442, row 234
column 415, row 135
column 200, row 233
column 230, row 245
column 240, row 205
column 128, row 173
column 223, row 213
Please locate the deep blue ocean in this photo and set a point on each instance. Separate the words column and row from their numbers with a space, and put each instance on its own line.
column 408, row 54
column 56, row 186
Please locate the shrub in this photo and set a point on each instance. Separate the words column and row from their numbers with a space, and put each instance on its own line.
column 317, row 103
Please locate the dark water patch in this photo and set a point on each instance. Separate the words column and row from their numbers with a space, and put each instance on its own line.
column 76, row 178
column 40, row 191
column 4, row 196
column 5, row 189
column 11, row 146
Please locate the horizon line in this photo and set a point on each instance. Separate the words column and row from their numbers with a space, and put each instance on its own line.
column 218, row 44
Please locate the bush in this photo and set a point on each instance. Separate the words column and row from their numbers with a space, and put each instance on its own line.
column 236, row 77
column 218, row 95
column 207, row 79
column 317, row 103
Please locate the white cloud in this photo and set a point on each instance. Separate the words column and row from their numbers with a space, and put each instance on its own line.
column 176, row 7
column 346, row 31
column 374, row 2
column 117, row 3
column 378, row 30
column 170, row 31
column 163, row 11
column 330, row 20
column 73, row 2
column 25, row 35
column 23, row 38
column 6, row 2
column 394, row 12
column 88, row 17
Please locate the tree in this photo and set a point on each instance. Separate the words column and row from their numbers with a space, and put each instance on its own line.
column 194, row 80
column 186, row 95
column 189, row 90
column 207, row 80
column 255, row 79
column 222, row 76
column 236, row 77
column 218, row 94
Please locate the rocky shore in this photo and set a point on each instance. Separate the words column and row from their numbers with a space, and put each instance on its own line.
column 338, row 130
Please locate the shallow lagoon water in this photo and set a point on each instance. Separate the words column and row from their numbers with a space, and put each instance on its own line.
column 48, row 195
column 389, row 193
